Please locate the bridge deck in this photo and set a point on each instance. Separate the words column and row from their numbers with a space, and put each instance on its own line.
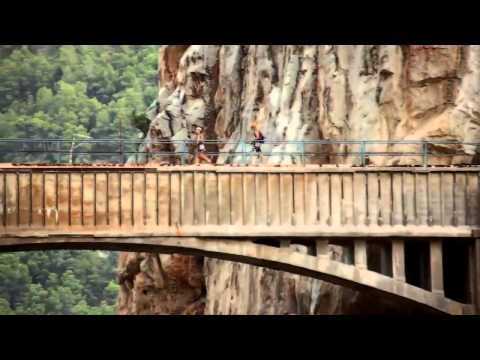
column 229, row 201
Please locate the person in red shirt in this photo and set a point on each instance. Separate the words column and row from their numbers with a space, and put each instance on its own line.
column 258, row 140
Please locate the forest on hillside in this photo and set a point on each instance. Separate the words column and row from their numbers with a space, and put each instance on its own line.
column 76, row 93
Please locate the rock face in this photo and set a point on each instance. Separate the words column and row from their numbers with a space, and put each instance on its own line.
column 294, row 92
column 340, row 92
column 177, row 284
column 160, row 284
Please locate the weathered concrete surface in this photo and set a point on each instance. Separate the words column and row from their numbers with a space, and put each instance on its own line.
column 240, row 202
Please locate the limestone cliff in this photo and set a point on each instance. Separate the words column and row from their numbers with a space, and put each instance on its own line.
column 294, row 92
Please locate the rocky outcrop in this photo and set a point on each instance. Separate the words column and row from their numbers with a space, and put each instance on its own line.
column 295, row 92
column 185, row 285
column 339, row 92
column 160, row 284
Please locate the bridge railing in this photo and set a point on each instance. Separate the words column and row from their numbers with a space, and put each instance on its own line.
column 119, row 150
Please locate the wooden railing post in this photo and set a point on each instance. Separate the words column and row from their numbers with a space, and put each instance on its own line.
column 360, row 257
column 398, row 260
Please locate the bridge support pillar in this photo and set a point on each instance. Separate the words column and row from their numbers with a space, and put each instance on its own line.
column 322, row 249
column 385, row 261
column 398, row 260
column 284, row 243
column 360, row 253
column 436, row 267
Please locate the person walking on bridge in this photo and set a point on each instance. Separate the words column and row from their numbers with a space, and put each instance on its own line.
column 258, row 140
column 200, row 149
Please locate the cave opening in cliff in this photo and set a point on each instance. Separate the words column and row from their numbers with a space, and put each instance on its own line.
column 456, row 270
column 417, row 263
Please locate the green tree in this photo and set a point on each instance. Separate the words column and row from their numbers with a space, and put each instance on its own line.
column 5, row 307
column 111, row 292
column 14, row 279
column 35, row 301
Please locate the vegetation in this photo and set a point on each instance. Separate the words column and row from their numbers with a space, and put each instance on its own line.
column 58, row 282
column 75, row 92
column 69, row 92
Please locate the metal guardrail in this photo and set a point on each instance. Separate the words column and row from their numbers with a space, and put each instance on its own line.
column 55, row 150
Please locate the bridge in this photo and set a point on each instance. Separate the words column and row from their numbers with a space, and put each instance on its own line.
column 406, row 233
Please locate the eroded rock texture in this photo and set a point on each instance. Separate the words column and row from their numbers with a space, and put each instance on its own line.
column 160, row 284
column 294, row 92
column 340, row 92
column 185, row 285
